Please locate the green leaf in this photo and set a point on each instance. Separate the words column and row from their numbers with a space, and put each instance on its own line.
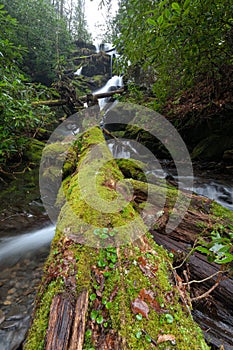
column 151, row 21
column 88, row 333
column 104, row 236
column 139, row 317
column 99, row 319
column 160, row 20
column 203, row 250
column 186, row 4
column 92, row 296
column 104, row 301
column 176, row 7
column 225, row 260
column 108, row 305
column 94, row 314
column 112, row 233
column 148, row 338
column 169, row 318
column 97, row 231
column 138, row 334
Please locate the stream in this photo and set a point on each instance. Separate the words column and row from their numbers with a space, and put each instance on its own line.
column 26, row 233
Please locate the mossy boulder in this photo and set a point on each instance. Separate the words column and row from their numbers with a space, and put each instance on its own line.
column 212, row 147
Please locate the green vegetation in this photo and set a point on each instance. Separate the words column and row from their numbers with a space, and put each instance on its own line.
column 179, row 42
column 35, row 40
column 131, row 297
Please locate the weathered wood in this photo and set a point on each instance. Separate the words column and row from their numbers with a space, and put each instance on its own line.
column 78, row 329
column 60, row 321
column 215, row 313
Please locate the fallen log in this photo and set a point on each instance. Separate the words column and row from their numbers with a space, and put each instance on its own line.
column 50, row 103
column 214, row 312
column 62, row 102
column 103, row 249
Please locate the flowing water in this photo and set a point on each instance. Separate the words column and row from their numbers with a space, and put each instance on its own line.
column 22, row 255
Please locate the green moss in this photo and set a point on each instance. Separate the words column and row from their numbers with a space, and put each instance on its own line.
column 130, row 280
column 132, row 168
column 219, row 212
column 212, row 147
column 126, row 269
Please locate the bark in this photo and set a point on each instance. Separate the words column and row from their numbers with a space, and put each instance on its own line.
column 136, row 300
column 62, row 102
column 213, row 311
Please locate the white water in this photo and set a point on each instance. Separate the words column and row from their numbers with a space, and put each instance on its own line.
column 222, row 193
column 78, row 71
column 19, row 245
column 116, row 81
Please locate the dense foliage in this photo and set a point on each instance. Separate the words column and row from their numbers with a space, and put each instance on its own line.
column 181, row 41
column 18, row 120
column 42, row 34
column 35, row 41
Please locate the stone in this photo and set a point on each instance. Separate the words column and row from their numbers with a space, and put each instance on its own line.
column 228, row 156
column 2, row 317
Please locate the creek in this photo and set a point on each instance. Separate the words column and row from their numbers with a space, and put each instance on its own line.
column 24, row 244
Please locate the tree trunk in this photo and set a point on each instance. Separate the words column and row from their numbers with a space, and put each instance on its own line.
column 107, row 284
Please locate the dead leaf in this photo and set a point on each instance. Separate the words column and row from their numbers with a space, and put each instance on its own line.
column 148, row 296
column 165, row 337
column 138, row 306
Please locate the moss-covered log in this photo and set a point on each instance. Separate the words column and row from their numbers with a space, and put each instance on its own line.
column 81, row 99
column 107, row 254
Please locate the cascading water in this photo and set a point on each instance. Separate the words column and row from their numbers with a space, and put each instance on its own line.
column 15, row 247
column 221, row 192
column 112, row 84
column 78, row 71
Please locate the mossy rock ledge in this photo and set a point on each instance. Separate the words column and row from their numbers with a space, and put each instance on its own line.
column 106, row 283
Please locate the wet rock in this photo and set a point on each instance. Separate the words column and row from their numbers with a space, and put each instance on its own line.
column 2, row 317
column 228, row 156
column 12, row 291
column 15, row 317
column 10, row 324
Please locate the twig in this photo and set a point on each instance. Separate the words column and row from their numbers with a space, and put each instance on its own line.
column 153, row 341
column 206, row 294
column 187, row 256
column 204, row 280
column 108, row 133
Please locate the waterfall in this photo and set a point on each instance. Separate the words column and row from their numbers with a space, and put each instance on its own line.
column 112, row 84
column 78, row 71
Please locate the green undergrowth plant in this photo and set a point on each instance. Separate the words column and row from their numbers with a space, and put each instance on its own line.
column 218, row 247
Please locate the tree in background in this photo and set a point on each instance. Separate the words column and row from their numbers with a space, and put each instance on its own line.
column 42, row 34
column 18, row 119
column 79, row 24
column 183, row 41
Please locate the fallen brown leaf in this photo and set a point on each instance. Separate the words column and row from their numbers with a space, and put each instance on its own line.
column 165, row 337
column 139, row 306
